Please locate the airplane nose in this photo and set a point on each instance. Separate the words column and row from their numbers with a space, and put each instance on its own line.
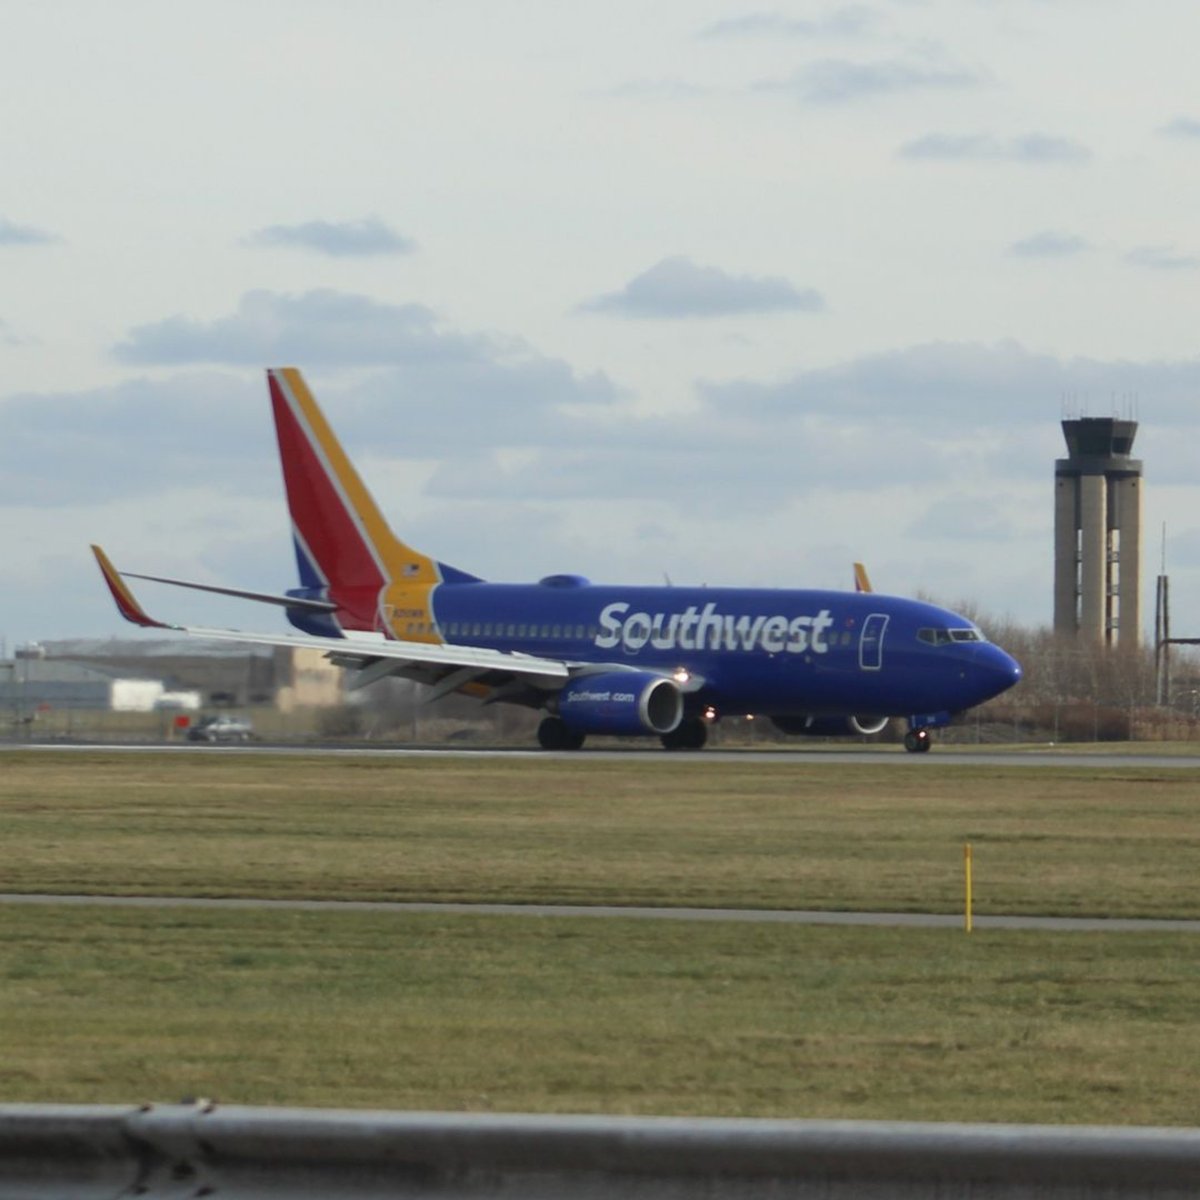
column 996, row 670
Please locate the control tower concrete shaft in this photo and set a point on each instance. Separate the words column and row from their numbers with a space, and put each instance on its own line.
column 1098, row 533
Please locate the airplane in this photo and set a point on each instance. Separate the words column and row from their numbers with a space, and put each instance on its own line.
column 650, row 661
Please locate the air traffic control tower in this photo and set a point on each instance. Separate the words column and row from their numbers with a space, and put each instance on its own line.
column 1098, row 533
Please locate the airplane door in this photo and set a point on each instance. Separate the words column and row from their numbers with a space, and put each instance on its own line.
column 870, row 644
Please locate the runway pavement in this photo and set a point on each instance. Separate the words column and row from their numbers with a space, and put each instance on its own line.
column 941, row 756
column 613, row 912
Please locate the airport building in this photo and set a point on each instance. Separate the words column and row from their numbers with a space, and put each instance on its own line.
column 1098, row 533
column 150, row 675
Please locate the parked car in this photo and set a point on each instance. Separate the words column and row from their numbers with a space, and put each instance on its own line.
column 220, row 729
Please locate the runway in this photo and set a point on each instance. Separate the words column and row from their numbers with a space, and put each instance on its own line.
column 614, row 912
column 893, row 756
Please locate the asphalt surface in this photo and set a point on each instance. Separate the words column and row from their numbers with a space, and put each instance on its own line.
column 614, row 912
column 892, row 755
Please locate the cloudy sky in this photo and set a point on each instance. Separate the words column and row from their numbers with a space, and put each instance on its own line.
column 730, row 292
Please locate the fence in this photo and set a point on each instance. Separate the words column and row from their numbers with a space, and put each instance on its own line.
column 77, row 1153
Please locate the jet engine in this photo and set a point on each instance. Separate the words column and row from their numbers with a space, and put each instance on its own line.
column 629, row 702
column 829, row 726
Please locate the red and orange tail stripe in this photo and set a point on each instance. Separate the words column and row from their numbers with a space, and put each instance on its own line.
column 368, row 572
column 127, row 606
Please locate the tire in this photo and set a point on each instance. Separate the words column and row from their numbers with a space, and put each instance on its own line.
column 554, row 734
column 688, row 735
column 917, row 741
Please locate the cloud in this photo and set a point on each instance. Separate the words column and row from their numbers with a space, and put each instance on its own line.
column 1182, row 127
column 1161, row 258
column 963, row 385
column 367, row 238
column 836, row 81
column 678, row 287
column 970, row 516
column 12, row 234
column 1035, row 149
column 323, row 327
column 969, row 417
column 847, row 21
column 1049, row 243
column 135, row 439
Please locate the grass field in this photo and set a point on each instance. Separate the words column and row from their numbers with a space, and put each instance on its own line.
column 817, row 834
column 465, row 1012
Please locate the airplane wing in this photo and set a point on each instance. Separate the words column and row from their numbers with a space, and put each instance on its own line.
column 480, row 670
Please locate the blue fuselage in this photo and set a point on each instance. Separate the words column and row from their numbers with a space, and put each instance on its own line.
column 757, row 651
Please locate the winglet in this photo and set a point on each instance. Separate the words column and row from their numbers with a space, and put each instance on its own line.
column 127, row 606
column 862, row 581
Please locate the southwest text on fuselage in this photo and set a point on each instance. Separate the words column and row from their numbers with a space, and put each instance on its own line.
column 708, row 629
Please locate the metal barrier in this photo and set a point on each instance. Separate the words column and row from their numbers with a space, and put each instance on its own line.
column 177, row 1151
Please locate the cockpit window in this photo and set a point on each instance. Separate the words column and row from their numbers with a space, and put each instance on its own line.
column 943, row 637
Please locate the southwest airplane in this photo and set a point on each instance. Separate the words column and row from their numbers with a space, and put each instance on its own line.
column 660, row 662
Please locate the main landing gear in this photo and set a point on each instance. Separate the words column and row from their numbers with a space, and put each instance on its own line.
column 555, row 734
column 917, row 741
column 687, row 735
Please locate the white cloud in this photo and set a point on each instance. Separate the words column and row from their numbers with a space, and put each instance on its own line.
column 322, row 326
column 678, row 287
column 1162, row 258
column 849, row 20
column 1187, row 128
column 838, row 81
column 367, row 238
column 1034, row 149
column 12, row 234
column 442, row 367
column 1049, row 243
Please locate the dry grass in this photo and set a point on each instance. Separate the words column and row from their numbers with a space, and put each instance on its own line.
column 428, row 1012
column 815, row 834
column 424, row 1011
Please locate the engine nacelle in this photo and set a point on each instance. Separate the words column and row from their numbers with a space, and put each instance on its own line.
column 629, row 702
column 830, row 726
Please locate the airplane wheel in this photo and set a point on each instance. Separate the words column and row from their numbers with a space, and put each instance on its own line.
column 554, row 734
column 917, row 741
column 689, row 735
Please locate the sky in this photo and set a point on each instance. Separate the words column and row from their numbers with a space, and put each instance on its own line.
column 699, row 290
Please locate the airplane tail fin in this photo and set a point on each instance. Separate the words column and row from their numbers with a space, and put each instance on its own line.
column 862, row 581
column 345, row 551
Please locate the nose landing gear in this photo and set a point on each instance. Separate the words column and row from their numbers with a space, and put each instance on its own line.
column 917, row 741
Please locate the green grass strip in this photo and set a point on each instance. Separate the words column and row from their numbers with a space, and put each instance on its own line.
column 571, row 1015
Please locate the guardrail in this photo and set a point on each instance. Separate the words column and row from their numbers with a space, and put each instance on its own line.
column 176, row 1151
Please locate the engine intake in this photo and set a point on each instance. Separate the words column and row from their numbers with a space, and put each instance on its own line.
column 629, row 702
